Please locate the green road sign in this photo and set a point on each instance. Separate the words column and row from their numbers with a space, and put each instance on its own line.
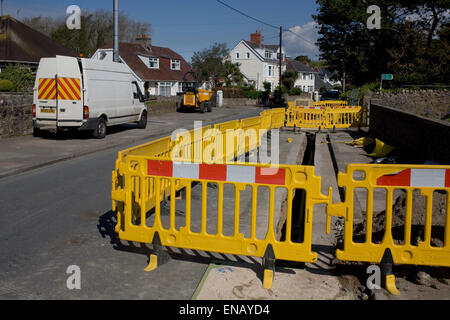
column 387, row 77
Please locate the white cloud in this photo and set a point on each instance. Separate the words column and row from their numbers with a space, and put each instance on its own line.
column 296, row 46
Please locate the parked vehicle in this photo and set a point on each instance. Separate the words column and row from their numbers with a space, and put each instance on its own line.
column 331, row 95
column 196, row 98
column 85, row 94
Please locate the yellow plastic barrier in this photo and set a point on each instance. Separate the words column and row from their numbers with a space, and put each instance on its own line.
column 331, row 104
column 343, row 117
column 389, row 178
column 278, row 117
column 322, row 117
column 154, row 175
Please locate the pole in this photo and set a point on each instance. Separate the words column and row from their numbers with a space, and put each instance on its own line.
column 381, row 83
column 281, row 43
column 116, row 32
column 280, row 67
column 2, row 7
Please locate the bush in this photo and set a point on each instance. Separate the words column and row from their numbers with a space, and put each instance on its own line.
column 21, row 77
column 6, row 85
column 295, row 92
column 253, row 94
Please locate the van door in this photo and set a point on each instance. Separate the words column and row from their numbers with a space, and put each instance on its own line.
column 45, row 92
column 69, row 111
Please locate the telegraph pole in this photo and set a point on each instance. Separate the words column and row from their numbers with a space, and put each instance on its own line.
column 281, row 54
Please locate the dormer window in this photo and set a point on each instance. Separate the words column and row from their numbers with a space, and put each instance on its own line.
column 175, row 64
column 153, row 63
column 268, row 54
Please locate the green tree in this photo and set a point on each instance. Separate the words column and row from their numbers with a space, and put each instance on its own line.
column 209, row 63
column 402, row 46
column 232, row 74
column 289, row 78
column 303, row 58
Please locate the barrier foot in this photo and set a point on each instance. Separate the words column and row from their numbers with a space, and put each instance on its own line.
column 159, row 256
column 388, row 277
column 390, row 285
column 268, row 264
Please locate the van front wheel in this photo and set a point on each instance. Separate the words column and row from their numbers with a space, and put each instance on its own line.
column 100, row 129
column 142, row 124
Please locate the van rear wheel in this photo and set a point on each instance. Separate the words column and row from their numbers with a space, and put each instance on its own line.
column 100, row 129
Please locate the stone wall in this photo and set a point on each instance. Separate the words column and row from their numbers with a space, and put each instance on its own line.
column 16, row 114
column 416, row 136
column 434, row 104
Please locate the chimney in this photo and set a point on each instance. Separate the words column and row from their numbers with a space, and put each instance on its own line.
column 256, row 38
column 145, row 41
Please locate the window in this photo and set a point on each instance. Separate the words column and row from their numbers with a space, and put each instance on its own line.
column 268, row 54
column 153, row 63
column 102, row 55
column 175, row 64
column 248, row 55
column 311, row 77
column 237, row 55
column 310, row 88
column 165, row 89
column 270, row 71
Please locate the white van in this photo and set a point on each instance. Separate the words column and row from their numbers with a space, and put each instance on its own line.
column 85, row 94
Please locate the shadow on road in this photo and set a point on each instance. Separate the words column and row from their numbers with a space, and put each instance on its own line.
column 73, row 134
column 106, row 227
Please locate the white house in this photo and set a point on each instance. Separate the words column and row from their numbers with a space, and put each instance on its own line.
column 259, row 63
column 306, row 79
column 158, row 70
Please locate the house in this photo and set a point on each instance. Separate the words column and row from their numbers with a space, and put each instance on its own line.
column 306, row 79
column 258, row 62
column 159, row 71
column 330, row 78
column 21, row 44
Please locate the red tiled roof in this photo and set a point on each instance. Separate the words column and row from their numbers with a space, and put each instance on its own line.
column 129, row 53
column 19, row 42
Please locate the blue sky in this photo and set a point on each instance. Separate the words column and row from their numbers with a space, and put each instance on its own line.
column 188, row 26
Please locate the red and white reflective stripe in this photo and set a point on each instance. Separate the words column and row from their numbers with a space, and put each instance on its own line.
column 433, row 178
column 314, row 108
column 216, row 172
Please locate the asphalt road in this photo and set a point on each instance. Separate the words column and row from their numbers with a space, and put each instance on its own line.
column 59, row 215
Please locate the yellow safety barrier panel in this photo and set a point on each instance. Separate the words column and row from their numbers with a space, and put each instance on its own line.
column 323, row 117
column 278, row 117
column 388, row 179
column 146, row 177
column 343, row 117
column 331, row 104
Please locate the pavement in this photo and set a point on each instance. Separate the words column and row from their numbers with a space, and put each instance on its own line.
column 20, row 154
